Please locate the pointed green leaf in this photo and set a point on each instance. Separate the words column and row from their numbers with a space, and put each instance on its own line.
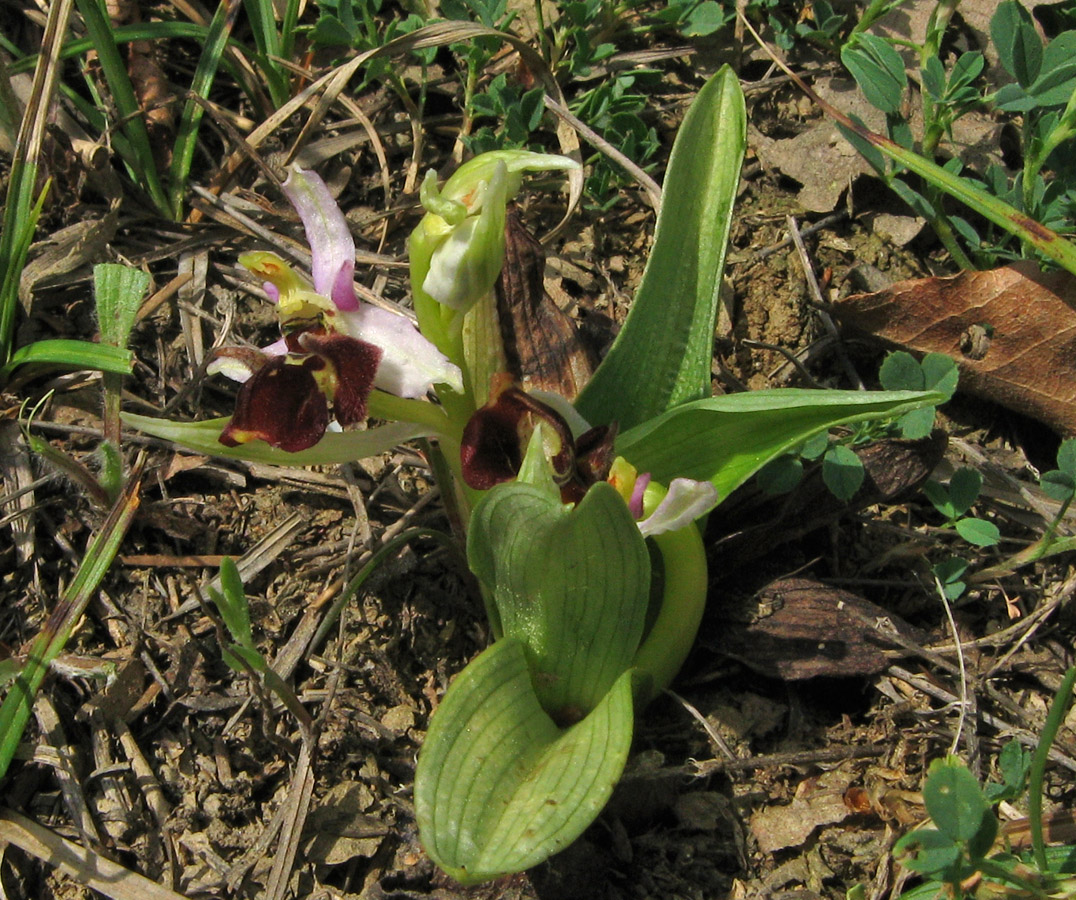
column 499, row 787
column 1016, row 41
column 663, row 354
column 727, row 439
column 202, row 437
column 70, row 355
column 231, row 603
column 878, row 70
column 572, row 584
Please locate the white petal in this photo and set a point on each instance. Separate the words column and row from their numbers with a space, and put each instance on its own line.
column 685, row 502
column 410, row 364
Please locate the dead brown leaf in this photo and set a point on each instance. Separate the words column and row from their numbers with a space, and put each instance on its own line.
column 1011, row 330
column 797, row 628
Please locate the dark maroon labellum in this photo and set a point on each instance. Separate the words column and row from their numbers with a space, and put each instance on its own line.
column 286, row 401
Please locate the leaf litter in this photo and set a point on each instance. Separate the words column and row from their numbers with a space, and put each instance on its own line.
column 195, row 779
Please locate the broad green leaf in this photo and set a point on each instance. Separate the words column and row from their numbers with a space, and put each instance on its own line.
column 842, row 472
column 938, row 495
column 964, row 489
column 1066, row 456
column 117, row 294
column 662, row 356
column 727, row 439
column 70, row 355
column 901, row 371
column 1016, row 41
column 1058, row 485
column 202, row 437
column 940, row 373
column 571, row 584
column 955, row 802
column 499, row 787
column 878, row 70
column 917, row 424
column 928, row 852
column 978, row 532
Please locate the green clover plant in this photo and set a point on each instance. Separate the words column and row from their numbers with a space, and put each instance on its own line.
column 1042, row 95
column 963, row 852
column 580, row 516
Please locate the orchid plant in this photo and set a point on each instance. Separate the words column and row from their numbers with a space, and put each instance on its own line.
column 575, row 509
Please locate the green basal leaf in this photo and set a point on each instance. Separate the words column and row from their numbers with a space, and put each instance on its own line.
column 117, row 293
column 572, row 584
column 727, row 439
column 499, row 787
column 662, row 356
column 334, row 448
column 70, row 355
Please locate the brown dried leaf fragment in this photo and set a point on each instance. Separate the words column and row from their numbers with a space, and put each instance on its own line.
column 541, row 341
column 796, row 628
column 1011, row 330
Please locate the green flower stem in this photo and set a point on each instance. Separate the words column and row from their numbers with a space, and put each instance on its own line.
column 683, row 600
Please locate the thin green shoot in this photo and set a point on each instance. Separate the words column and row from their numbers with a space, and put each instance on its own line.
column 53, row 637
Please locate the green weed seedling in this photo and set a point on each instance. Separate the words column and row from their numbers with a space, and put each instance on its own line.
column 1043, row 97
column 902, row 372
column 963, row 854
column 954, row 500
column 1059, row 484
column 118, row 292
column 241, row 653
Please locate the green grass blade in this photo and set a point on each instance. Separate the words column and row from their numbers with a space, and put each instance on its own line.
column 268, row 42
column 20, row 220
column 220, row 28
column 123, row 34
column 663, row 354
column 71, row 355
column 1054, row 720
column 1049, row 243
column 132, row 123
column 287, row 28
column 15, row 709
